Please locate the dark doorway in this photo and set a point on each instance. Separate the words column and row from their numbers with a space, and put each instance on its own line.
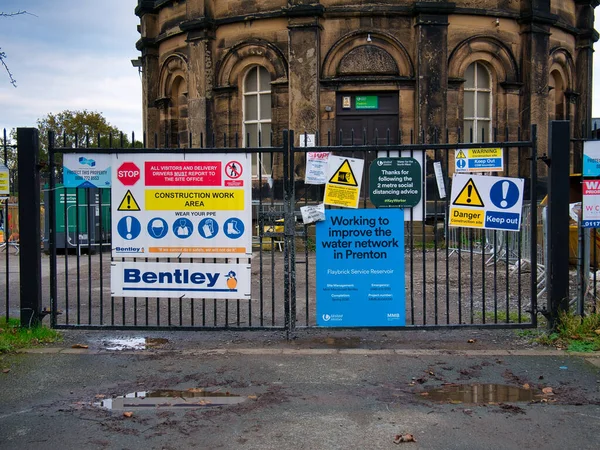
column 367, row 118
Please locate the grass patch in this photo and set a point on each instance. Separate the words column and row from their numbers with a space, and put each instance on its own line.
column 500, row 317
column 574, row 333
column 13, row 337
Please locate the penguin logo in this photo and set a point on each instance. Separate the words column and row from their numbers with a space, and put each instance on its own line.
column 231, row 280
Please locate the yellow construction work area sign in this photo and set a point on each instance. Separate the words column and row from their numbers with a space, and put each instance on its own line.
column 186, row 200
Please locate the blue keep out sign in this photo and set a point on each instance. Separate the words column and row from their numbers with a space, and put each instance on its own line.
column 360, row 268
column 504, row 194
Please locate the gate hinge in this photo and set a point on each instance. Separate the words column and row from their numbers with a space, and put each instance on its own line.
column 545, row 159
column 47, row 312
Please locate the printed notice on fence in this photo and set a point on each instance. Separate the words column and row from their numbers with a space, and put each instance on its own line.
column 316, row 167
column 360, row 268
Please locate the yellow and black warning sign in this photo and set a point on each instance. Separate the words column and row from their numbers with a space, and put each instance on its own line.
column 469, row 196
column 128, row 203
column 344, row 175
column 461, row 155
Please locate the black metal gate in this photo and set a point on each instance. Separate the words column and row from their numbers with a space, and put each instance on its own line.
column 454, row 276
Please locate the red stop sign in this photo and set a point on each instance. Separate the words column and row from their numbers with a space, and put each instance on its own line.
column 128, row 173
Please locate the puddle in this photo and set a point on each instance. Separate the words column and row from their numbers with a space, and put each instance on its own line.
column 134, row 343
column 170, row 399
column 481, row 393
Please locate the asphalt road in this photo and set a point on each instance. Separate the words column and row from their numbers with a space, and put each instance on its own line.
column 319, row 391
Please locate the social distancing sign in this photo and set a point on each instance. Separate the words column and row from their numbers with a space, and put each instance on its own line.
column 488, row 202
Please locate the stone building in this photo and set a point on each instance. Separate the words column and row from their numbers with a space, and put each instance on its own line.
column 250, row 66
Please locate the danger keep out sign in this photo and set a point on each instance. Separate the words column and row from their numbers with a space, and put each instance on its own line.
column 486, row 202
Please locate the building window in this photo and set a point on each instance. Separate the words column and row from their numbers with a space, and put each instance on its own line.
column 257, row 117
column 478, row 103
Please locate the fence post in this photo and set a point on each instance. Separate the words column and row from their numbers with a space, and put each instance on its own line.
column 28, row 151
column 559, row 140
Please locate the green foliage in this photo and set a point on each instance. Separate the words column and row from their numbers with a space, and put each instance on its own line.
column 80, row 129
column 575, row 333
column 13, row 337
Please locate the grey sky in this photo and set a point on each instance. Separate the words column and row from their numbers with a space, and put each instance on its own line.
column 76, row 54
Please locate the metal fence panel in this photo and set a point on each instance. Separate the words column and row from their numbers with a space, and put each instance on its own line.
column 454, row 277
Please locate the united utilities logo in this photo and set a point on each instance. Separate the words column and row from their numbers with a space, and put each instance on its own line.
column 332, row 317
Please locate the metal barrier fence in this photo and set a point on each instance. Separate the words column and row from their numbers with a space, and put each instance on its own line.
column 450, row 281
column 9, row 235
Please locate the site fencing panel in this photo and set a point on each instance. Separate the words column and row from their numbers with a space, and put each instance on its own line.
column 454, row 277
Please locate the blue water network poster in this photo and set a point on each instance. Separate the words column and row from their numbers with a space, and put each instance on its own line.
column 360, row 268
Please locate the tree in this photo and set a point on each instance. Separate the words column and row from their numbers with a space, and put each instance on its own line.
column 3, row 54
column 80, row 129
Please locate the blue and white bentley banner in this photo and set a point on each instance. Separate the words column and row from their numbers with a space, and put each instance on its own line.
column 180, row 280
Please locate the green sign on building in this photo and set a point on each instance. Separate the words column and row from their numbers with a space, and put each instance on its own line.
column 367, row 102
column 395, row 182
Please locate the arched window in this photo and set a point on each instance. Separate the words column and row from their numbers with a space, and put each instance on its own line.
column 556, row 100
column 257, row 116
column 477, row 103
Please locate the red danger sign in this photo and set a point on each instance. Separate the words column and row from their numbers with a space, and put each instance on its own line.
column 128, row 174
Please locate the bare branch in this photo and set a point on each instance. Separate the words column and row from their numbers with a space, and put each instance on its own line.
column 10, row 75
column 2, row 54
column 12, row 14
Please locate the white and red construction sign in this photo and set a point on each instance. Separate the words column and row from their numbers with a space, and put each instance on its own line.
column 188, row 206
column 590, row 217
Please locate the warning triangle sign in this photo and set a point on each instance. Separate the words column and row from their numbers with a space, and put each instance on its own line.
column 461, row 155
column 469, row 196
column 128, row 203
column 344, row 175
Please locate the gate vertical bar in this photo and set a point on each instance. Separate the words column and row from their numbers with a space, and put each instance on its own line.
column 4, row 206
column 28, row 150
column 534, row 229
column 558, row 220
column 287, row 136
column 52, row 232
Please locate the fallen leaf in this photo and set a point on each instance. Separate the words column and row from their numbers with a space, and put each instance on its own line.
column 526, row 386
column 128, row 414
column 79, row 346
column 6, row 371
column 100, row 396
column 424, row 394
column 597, row 331
column 195, row 390
column 472, row 341
column 253, row 397
column 404, row 438
column 548, row 390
